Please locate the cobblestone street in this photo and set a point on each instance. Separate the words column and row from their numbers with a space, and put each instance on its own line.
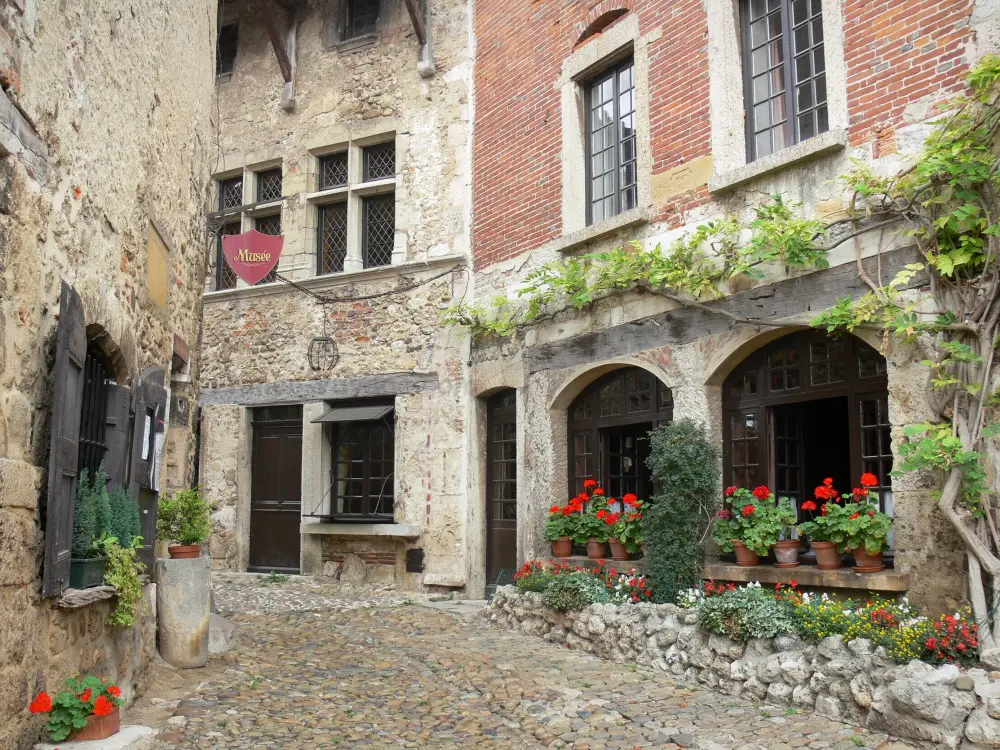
column 324, row 666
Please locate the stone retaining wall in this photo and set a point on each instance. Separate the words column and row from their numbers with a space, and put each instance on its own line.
column 851, row 682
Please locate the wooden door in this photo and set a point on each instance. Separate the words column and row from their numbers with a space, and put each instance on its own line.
column 150, row 400
column 276, row 489
column 501, row 485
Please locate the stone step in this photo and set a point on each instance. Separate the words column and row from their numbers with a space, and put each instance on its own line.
column 221, row 634
column 133, row 737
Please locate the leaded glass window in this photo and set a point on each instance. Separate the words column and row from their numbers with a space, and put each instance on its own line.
column 333, row 171
column 380, row 161
column 332, row 237
column 225, row 277
column 379, row 230
column 231, row 193
column 269, row 185
column 269, row 225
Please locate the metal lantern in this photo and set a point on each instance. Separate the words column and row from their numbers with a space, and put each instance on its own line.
column 323, row 354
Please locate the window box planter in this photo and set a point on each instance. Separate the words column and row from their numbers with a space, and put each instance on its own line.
column 86, row 573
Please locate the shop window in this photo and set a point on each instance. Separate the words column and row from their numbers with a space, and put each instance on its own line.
column 609, row 425
column 611, row 143
column 784, row 72
column 823, row 413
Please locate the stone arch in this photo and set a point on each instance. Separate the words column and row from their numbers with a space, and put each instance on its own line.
column 98, row 337
column 110, row 329
column 600, row 17
column 573, row 386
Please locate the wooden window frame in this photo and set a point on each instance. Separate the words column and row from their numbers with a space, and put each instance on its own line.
column 788, row 65
column 366, row 515
column 754, row 370
column 349, row 30
column 661, row 411
column 618, row 191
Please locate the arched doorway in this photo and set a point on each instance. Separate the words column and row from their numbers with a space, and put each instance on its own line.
column 806, row 407
column 501, row 484
column 608, row 427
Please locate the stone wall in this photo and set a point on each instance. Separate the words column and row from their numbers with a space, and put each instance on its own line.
column 105, row 131
column 851, row 682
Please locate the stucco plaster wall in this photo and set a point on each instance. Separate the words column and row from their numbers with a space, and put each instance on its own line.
column 113, row 110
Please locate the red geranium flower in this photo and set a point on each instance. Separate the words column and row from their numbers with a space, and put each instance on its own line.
column 589, row 483
column 749, row 510
column 85, row 695
column 102, row 706
column 871, row 513
column 825, row 493
column 808, row 505
column 601, row 514
column 115, row 691
column 730, row 491
column 725, row 513
column 828, row 482
column 762, row 492
column 567, row 510
column 598, row 491
column 554, row 509
column 853, row 516
column 629, row 499
column 42, row 704
column 869, row 480
column 822, row 509
column 793, row 583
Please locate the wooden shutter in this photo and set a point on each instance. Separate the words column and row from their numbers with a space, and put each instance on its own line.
column 149, row 411
column 64, row 449
column 116, row 434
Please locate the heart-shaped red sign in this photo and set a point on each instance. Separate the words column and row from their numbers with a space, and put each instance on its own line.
column 252, row 255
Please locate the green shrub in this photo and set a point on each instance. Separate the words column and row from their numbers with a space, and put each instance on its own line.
column 84, row 518
column 746, row 613
column 574, row 591
column 122, row 572
column 125, row 523
column 685, row 464
column 183, row 517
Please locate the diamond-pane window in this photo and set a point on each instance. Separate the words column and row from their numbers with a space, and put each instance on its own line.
column 230, row 193
column 379, row 217
column 333, row 171
column 332, row 237
column 269, row 225
column 380, row 161
column 225, row 277
column 269, row 187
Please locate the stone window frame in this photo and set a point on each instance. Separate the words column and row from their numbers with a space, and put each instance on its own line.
column 353, row 193
column 248, row 217
column 598, row 53
column 727, row 105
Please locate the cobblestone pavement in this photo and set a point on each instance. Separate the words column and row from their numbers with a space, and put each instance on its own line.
column 316, row 668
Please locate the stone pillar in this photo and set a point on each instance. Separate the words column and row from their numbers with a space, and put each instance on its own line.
column 183, row 602
column 315, row 476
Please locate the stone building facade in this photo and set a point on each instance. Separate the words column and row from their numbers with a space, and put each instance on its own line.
column 602, row 123
column 105, row 135
column 358, row 151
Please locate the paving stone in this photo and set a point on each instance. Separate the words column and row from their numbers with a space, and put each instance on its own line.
column 320, row 665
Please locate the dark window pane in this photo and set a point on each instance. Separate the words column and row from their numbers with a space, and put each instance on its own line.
column 333, row 171
column 361, row 17
column 269, row 186
column 269, row 225
column 231, row 193
column 225, row 276
column 380, row 161
column 379, row 230
column 332, row 237
column 225, row 61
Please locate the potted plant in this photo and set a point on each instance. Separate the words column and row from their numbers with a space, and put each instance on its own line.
column 91, row 522
column 820, row 530
column 561, row 526
column 183, row 518
column 87, row 709
column 864, row 526
column 591, row 528
column 786, row 549
column 750, row 527
column 626, row 528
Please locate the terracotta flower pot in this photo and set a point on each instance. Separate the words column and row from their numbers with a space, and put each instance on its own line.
column 866, row 562
column 618, row 551
column 745, row 557
column 827, row 556
column 596, row 550
column 98, row 727
column 786, row 553
column 562, row 547
column 184, row 551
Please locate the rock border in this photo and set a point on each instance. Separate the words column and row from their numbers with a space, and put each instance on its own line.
column 851, row 681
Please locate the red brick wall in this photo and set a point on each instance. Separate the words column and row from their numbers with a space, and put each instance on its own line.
column 895, row 53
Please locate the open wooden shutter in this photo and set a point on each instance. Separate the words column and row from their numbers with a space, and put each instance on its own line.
column 64, row 449
column 116, row 434
column 149, row 414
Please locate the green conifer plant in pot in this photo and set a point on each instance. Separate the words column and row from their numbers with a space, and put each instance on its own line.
column 183, row 518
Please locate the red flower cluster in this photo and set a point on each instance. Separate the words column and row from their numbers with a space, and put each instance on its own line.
column 609, row 518
column 826, row 491
column 749, row 510
column 853, row 516
column 808, row 505
column 42, row 704
column 787, row 593
column 588, row 483
column 730, row 491
column 955, row 639
column 725, row 514
column 762, row 492
column 869, row 480
column 629, row 499
column 102, row 706
column 715, row 589
column 884, row 618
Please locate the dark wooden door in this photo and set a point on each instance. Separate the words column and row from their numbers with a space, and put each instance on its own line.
column 149, row 405
column 276, row 489
column 501, row 485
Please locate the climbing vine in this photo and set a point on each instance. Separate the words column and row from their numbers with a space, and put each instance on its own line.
column 947, row 202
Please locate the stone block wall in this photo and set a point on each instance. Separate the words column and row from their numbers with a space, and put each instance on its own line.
column 852, row 682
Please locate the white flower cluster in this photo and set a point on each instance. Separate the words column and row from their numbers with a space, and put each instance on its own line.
column 689, row 599
column 807, row 598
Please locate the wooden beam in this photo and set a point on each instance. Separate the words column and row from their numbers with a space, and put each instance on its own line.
column 417, row 17
column 276, row 42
